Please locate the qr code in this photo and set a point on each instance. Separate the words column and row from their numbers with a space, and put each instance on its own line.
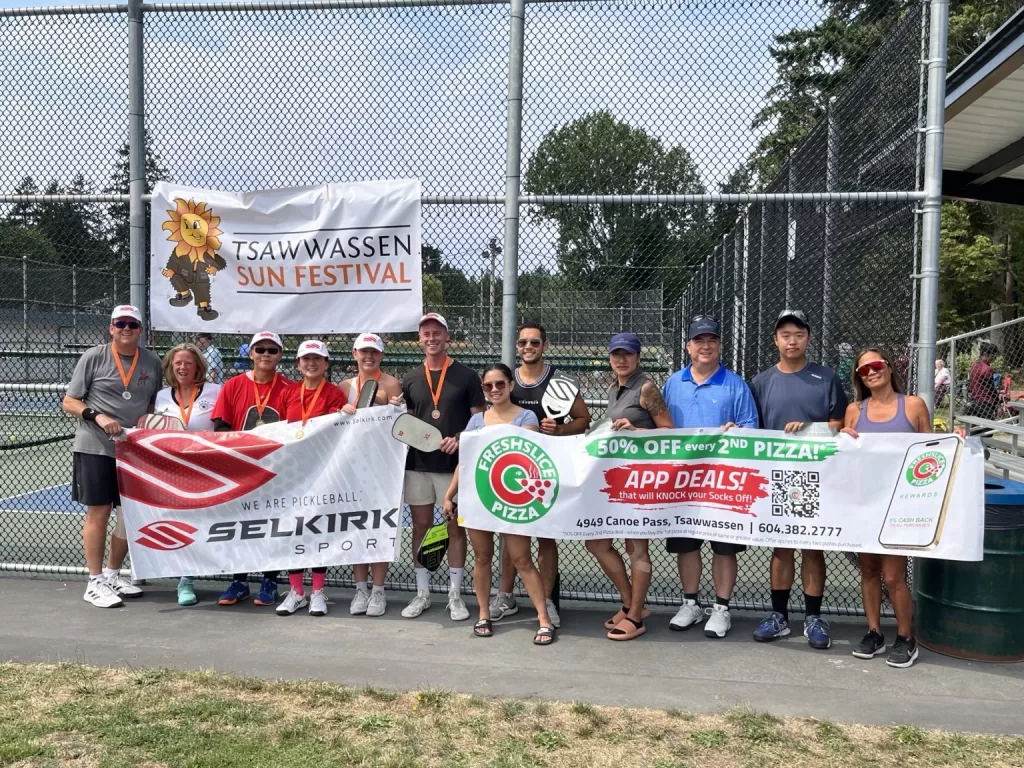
column 795, row 493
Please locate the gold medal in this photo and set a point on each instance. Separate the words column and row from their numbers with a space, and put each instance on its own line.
column 262, row 404
column 435, row 414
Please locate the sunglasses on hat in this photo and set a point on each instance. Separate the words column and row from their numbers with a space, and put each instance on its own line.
column 874, row 365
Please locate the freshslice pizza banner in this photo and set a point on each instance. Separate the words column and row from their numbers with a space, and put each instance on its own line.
column 338, row 258
column 920, row 495
column 279, row 496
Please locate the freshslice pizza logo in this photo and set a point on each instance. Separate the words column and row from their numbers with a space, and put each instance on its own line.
column 926, row 469
column 181, row 470
column 516, row 480
column 166, row 535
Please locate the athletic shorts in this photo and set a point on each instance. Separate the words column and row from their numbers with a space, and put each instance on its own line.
column 94, row 480
column 426, row 487
column 679, row 546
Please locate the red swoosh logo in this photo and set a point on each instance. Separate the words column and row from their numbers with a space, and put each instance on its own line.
column 166, row 535
column 191, row 470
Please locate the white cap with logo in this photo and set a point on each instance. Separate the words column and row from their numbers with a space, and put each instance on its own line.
column 266, row 336
column 435, row 317
column 312, row 347
column 368, row 341
column 127, row 310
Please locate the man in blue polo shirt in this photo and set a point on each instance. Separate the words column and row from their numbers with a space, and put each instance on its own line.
column 706, row 394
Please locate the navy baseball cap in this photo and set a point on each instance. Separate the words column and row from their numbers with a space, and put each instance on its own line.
column 629, row 342
column 702, row 324
column 792, row 316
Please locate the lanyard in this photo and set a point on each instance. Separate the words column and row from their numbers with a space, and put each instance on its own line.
column 125, row 378
column 306, row 412
column 186, row 411
column 436, row 395
column 262, row 404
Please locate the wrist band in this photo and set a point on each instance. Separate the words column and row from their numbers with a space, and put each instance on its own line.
column 89, row 415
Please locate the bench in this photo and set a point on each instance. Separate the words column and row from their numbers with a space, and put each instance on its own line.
column 1001, row 454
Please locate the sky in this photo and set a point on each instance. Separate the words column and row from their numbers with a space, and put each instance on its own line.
column 257, row 100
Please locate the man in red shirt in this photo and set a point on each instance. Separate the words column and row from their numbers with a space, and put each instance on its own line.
column 257, row 397
column 981, row 386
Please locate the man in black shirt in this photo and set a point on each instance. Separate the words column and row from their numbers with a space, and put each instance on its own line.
column 444, row 393
column 528, row 390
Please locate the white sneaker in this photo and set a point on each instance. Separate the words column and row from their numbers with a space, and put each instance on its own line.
column 556, row 620
column 291, row 603
column 719, row 621
column 502, row 605
column 318, row 603
column 102, row 595
column 456, row 606
column 417, row 605
column 378, row 604
column 359, row 602
column 687, row 616
column 123, row 586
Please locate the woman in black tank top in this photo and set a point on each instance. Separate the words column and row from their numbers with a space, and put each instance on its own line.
column 634, row 402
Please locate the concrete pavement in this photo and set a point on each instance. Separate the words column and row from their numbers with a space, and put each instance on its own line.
column 46, row 620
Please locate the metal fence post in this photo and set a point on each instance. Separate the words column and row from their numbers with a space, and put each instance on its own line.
column 136, row 159
column 932, row 205
column 513, row 151
column 951, row 365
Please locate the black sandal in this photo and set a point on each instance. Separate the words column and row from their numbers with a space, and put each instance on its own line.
column 544, row 636
column 483, row 628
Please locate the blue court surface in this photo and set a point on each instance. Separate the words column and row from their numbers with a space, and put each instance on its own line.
column 56, row 498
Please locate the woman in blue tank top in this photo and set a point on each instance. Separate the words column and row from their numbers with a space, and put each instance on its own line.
column 881, row 406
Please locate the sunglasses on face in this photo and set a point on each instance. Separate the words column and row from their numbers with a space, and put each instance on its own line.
column 495, row 385
column 874, row 365
column 129, row 324
column 532, row 342
column 266, row 350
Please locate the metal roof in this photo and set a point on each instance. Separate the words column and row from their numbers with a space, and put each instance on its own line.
column 983, row 156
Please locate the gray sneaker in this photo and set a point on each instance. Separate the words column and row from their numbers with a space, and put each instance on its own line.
column 502, row 605
column 377, row 604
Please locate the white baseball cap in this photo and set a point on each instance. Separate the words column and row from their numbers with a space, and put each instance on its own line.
column 368, row 341
column 435, row 317
column 127, row 310
column 266, row 336
column 312, row 347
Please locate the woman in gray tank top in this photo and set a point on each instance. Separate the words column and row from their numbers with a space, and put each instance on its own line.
column 634, row 402
column 881, row 406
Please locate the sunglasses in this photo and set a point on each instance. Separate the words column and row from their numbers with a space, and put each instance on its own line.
column 130, row 324
column 532, row 342
column 700, row 318
column 874, row 365
column 496, row 385
column 266, row 350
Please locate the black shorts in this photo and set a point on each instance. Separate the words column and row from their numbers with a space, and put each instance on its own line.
column 679, row 546
column 94, row 480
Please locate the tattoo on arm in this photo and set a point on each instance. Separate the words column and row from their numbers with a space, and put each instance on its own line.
column 651, row 399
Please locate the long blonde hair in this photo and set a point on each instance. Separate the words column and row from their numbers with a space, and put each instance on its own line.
column 168, row 363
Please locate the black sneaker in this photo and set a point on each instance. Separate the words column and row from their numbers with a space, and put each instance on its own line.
column 872, row 645
column 903, row 653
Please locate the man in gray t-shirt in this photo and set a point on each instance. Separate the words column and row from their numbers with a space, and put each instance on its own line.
column 112, row 387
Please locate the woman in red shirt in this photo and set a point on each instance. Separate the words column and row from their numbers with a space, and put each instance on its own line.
column 314, row 396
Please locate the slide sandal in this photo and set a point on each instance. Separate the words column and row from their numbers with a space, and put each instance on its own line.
column 544, row 636
column 627, row 629
column 615, row 620
column 483, row 628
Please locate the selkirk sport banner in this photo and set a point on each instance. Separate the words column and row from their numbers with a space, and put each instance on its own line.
column 338, row 258
column 280, row 496
column 920, row 495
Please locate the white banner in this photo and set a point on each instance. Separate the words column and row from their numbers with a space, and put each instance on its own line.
column 279, row 496
column 340, row 258
column 912, row 494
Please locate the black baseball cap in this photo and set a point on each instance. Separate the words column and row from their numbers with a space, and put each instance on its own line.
column 795, row 316
column 701, row 325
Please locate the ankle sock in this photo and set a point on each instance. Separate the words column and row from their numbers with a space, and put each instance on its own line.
column 690, row 596
column 377, row 590
column 422, row 580
column 722, row 601
column 361, row 585
column 780, row 602
column 456, row 578
column 97, row 577
column 813, row 604
column 109, row 573
column 295, row 582
column 318, row 581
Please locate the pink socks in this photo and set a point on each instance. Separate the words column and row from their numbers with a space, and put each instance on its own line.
column 318, row 580
column 295, row 582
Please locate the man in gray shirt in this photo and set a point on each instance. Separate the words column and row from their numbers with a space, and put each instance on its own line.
column 113, row 386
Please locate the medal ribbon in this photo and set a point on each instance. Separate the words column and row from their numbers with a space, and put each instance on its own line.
column 261, row 405
column 186, row 411
column 359, row 382
column 306, row 412
column 436, row 395
column 125, row 379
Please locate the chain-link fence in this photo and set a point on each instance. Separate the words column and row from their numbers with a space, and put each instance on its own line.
column 637, row 117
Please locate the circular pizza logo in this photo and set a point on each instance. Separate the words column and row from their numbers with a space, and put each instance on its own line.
column 926, row 469
column 516, row 480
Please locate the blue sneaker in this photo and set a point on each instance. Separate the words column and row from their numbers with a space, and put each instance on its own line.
column 236, row 593
column 816, row 632
column 267, row 594
column 772, row 628
column 186, row 591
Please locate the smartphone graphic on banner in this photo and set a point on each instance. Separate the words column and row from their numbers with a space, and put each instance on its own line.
column 917, row 509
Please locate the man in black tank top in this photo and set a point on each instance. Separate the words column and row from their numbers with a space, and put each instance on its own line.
column 531, row 381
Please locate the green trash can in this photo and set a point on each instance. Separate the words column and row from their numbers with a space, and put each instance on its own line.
column 975, row 611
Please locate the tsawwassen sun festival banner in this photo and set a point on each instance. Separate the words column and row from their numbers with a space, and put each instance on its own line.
column 280, row 496
column 338, row 258
column 906, row 494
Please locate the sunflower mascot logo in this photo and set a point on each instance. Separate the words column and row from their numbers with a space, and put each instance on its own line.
column 194, row 259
